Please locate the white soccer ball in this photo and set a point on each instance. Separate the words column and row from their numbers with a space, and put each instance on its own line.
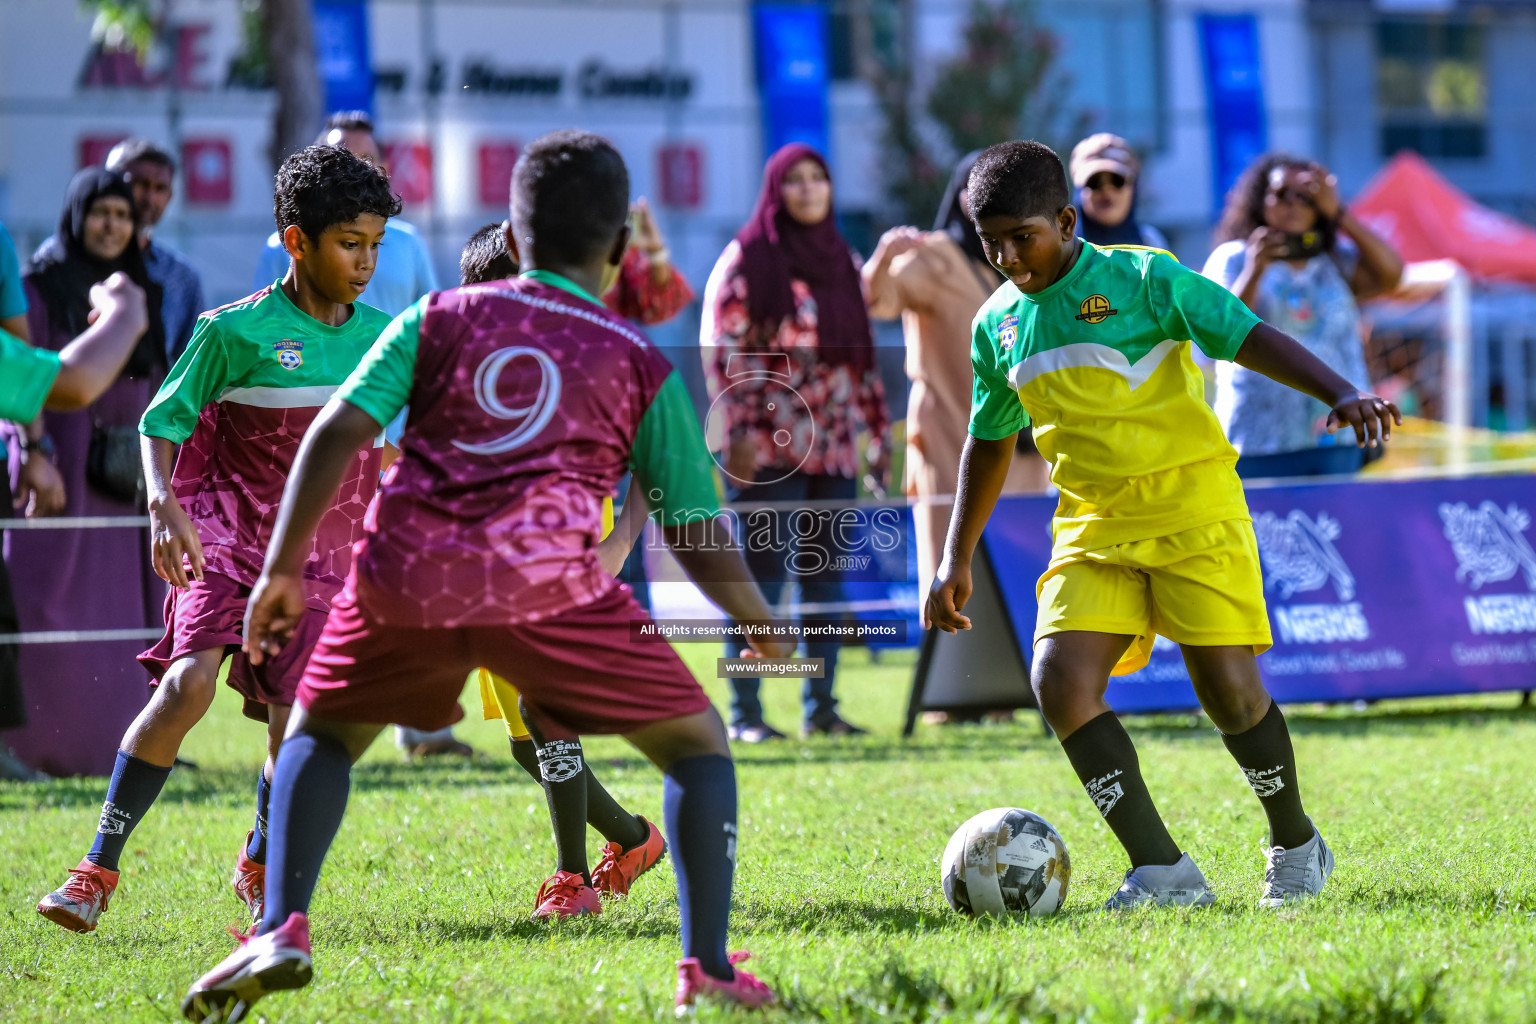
column 1006, row 861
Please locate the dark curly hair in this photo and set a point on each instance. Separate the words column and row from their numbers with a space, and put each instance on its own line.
column 1244, row 211
column 485, row 257
column 325, row 185
column 1018, row 179
column 571, row 189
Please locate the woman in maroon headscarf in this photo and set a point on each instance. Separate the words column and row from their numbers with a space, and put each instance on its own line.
column 790, row 360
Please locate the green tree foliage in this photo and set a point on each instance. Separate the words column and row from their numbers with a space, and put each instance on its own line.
column 1004, row 84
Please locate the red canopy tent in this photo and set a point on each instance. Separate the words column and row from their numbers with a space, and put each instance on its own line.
column 1425, row 217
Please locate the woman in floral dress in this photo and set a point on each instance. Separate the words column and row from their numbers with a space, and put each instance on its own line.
column 790, row 361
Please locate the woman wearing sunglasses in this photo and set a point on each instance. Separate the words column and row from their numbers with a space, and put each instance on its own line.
column 1292, row 252
column 1104, row 171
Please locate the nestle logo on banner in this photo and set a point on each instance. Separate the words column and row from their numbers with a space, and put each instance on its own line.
column 1490, row 547
column 1299, row 557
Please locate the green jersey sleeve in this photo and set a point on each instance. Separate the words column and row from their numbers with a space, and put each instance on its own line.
column 670, row 458
column 199, row 376
column 1191, row 306
column 996, row 411
column 26, row 377
column 381, row 384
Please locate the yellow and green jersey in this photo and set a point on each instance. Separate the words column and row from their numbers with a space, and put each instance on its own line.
column 1099, row 363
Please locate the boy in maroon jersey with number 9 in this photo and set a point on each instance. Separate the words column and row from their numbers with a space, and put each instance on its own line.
column 238, row 401
column 528, row 400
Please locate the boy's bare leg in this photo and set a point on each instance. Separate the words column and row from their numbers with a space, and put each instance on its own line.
column 1070, row 673
column 1229, row 687
column 149, row 749
column 177, row 704
column 699, row 806
column 143, row 764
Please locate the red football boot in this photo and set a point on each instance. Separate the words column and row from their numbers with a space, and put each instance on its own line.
column 618, row 868
column 743, row 990
column 565, row 894
column 80, row 902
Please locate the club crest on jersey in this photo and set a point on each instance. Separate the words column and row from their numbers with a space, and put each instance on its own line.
column 1008, row 332
column 1095, row 309
column 290, row 354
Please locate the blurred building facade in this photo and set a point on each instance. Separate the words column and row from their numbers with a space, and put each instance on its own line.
column 460, row 85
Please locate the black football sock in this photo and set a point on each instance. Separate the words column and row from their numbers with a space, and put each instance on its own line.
column 527, row 755
column 565, row 790
column 256, row 848
column 310, row 785
column 698, row 801
column 1264, row 754
column 605, row 814
column 1105, row 760
column 135, row 785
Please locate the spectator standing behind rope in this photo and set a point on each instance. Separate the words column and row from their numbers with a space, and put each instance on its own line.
column 936, row 281
column 40, row 492
column 81, row 695
column 151, row 173
column 790, row 363
column 1104, row 172
column 1281, row 252
column 31, row 378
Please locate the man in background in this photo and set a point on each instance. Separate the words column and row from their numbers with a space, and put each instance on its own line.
column 151, row 172
column 404, row 274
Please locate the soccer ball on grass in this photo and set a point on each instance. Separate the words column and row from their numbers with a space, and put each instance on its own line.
column 1006, row 860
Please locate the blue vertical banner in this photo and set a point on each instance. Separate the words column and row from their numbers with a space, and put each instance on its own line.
column 342, row 53
column 1234, row 88
column 793, row 73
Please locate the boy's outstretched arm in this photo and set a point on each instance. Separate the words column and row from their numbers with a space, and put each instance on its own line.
column 277, row 600
column 707, row 552
column 983, row 471
column 1280, row 357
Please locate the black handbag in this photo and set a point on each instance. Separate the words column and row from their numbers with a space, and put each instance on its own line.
column 113, row 465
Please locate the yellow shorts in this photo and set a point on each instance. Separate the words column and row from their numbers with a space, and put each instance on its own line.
column 498, row 698
column 1201, row 587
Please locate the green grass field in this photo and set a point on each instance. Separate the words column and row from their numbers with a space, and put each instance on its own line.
column 422, row 911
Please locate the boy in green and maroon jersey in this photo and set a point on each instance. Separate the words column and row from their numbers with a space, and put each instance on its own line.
column 238, row 403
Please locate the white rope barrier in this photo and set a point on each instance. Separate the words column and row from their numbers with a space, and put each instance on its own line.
column 74, row 523
column 80, row 636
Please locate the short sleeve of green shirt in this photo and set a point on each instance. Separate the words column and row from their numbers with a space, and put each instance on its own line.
column 13, row 298
column 198, row 377
column 1190, row 305
column 381, row 384
column 670, row 457
column 26, row 376
column 996, row 412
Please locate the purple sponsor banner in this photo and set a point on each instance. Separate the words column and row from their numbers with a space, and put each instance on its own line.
column 1375, row 590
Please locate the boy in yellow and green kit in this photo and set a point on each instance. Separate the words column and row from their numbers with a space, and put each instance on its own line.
column 1091, row 346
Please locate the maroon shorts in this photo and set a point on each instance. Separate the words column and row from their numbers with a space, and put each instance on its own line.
column 580, row 670
column 211, row 613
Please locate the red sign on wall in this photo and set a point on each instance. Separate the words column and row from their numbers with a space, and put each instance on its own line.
column 208, row 171
column 680, row 175
column 410, row 170
column 93, row 149
column 497, row 158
